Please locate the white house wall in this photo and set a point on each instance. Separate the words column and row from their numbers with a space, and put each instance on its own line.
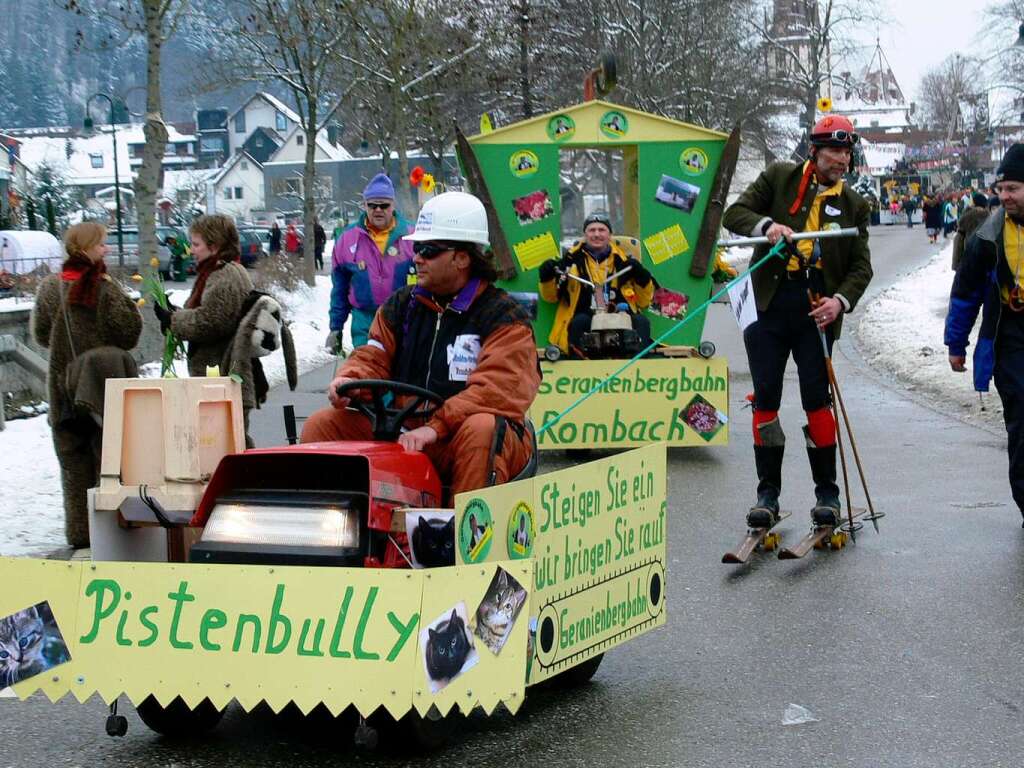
column 258, row 114
column 250, row 180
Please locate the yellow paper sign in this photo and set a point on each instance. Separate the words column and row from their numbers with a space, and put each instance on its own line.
column 667, row 243
column 337, row 636
column 598, row 554
column 535, row 251
column 676, row 401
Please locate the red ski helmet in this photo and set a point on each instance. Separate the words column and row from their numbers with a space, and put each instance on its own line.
column 834, row 131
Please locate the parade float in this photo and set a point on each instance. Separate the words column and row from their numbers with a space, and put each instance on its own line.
column 672, row 186
column 329, row 576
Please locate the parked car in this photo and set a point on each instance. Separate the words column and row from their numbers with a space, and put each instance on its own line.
column 263, row 233
column 130, row 241
column 252, row 247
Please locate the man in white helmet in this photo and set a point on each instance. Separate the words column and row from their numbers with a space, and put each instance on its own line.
column 458, row 335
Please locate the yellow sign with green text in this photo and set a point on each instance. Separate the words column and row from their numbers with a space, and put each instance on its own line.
column 596, row 535
column 675, row 401
column 336, row 636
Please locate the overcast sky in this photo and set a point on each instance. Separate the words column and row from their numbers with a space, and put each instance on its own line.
column 925, row 32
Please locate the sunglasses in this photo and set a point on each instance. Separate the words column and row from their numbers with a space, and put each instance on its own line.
column 430, row 250
column 378, row 206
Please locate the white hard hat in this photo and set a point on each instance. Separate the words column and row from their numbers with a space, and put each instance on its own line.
column 452, row 216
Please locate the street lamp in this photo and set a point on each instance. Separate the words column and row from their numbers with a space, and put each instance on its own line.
column 88, row 124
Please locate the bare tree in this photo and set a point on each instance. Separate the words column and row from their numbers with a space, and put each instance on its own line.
column 947, row 90
column 301, row 47
column 156, row 21
column 804, row 39
column 423, row 54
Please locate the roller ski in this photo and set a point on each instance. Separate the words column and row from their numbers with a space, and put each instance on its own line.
column 761, row 521
column 829, row 529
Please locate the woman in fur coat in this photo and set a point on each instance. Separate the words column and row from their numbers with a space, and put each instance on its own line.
column 225, row 322
column 87, row 321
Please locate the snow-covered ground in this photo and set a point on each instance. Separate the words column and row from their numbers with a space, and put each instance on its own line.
column 901, row 334
column 32, row 512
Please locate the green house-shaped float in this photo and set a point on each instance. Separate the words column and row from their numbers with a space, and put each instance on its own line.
column 668, row 168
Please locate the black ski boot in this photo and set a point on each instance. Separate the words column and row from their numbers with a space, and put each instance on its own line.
column 826, row 493
column 765, row 512
column 768, row 460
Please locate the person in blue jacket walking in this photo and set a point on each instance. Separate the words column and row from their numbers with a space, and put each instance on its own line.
column 370, row 262
column 991, row 277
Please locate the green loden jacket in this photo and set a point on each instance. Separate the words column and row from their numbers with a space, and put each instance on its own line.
column 846, row 261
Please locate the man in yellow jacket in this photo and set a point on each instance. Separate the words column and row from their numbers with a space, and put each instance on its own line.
column 595, row 259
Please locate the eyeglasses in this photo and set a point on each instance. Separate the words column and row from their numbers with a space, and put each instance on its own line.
column 841, row 136
column 378, row 206
column 430, row 250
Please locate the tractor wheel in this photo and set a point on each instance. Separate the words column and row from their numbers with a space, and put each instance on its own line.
column 177, row 720
column 413, row 732
column 580, row 674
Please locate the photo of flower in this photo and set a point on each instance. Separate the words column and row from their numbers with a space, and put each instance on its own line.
column 533, row 207
column 703, row 418
column 670, row 304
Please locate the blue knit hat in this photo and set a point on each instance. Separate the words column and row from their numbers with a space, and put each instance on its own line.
column 379, row 188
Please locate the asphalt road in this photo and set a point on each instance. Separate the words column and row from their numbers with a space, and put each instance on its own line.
column 904, row 646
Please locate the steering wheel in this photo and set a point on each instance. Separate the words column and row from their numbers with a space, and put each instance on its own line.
column 387, row 420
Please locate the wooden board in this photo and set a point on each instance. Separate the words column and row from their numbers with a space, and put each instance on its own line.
column 750, row 542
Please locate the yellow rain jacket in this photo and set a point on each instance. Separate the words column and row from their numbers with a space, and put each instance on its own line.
column 581, row 263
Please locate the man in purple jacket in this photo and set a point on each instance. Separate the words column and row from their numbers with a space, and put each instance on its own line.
column 371, row 261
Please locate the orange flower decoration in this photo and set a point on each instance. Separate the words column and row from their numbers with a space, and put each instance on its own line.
column 416, row 175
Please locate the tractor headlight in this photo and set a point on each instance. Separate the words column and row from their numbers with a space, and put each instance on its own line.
column 283, row 525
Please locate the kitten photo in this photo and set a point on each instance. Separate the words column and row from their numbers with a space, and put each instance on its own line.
column 498, row 610
column 447, row 647
column 30, row 643
column 431, row 538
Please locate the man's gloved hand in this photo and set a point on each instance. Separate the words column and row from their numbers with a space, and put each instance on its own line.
column 163, row 314
column 639, row 274
column 333, row 342
column 548, row 270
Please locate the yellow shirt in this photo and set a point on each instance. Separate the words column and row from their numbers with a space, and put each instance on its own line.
column 806, row 247
column 381, row 237
column 1013, row 245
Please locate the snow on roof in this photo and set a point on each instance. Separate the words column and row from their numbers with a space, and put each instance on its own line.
column 220, row 173
column 78, row 167
column 135, row 134
column 273, row 101
column 181, row 180
column 332, row 152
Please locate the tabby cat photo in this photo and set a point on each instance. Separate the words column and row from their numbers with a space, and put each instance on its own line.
column 30, row 643
column 447, row 647
column 498, row 611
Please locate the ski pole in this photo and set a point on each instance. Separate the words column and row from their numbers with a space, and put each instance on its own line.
column 839, row 406
column 824, row 234
column 853, row 444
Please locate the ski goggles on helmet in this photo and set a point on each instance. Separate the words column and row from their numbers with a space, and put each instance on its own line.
column 429, row 249
column 838, row 138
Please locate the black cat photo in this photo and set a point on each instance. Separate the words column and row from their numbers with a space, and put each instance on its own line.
column 448, row 648
column 431, row 537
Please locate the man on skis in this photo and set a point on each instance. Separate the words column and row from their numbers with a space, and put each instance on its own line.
column 788, row 198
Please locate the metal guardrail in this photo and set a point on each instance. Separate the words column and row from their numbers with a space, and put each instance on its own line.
column 19, row 277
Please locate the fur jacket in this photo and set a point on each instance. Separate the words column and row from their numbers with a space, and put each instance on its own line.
column 115, row 322
column 210, row 328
